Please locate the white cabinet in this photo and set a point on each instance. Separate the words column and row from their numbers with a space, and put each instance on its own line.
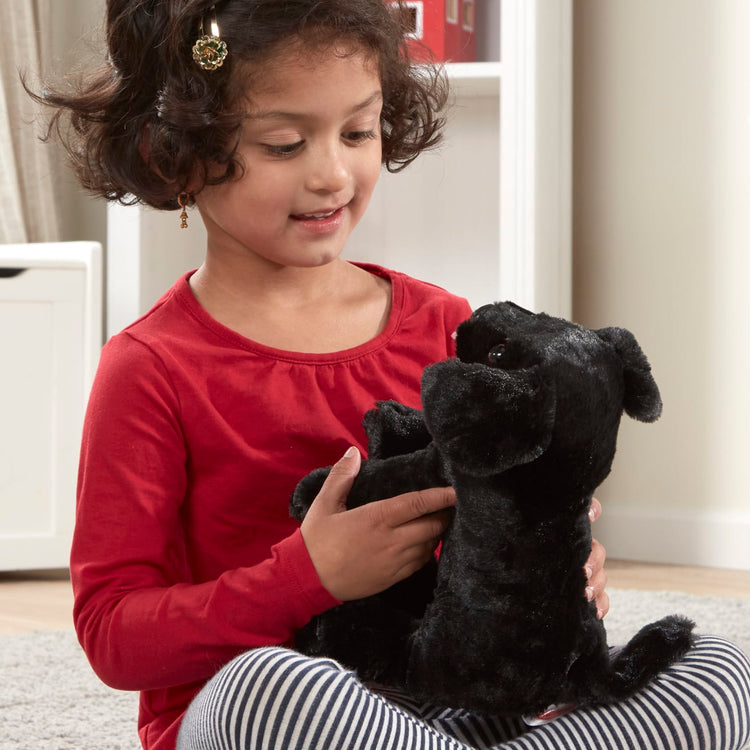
column 50, row 337
column 487, row 215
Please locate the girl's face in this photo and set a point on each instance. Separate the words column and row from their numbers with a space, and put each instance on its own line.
column 311, row 150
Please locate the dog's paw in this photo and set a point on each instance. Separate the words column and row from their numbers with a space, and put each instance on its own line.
column 306, row 491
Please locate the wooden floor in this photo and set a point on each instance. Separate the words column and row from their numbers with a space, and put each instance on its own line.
column 43, row 600
column 35, row 601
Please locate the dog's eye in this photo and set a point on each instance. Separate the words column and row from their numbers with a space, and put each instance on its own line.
column 495, row 355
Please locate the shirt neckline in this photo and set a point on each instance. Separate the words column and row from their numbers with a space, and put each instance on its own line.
column 186, row 297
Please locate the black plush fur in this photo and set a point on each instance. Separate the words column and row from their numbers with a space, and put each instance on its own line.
column 523, row 424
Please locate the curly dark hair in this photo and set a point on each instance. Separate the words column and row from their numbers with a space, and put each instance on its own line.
column 150, row 88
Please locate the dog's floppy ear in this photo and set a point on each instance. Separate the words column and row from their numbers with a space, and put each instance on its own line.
column 485, row 420
column 642, row 400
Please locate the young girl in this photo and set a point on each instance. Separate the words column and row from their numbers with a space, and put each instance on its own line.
column 273, row 118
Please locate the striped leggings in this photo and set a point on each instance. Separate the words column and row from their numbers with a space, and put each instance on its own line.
column 276, row 699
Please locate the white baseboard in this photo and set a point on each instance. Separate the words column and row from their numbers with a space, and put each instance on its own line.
column 665, row 535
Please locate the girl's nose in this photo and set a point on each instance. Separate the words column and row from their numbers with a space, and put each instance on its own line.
column 328, row 170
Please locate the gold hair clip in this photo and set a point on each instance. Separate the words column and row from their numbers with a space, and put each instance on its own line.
column 210, row 51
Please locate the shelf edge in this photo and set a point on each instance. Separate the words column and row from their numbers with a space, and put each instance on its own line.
column 477, row 79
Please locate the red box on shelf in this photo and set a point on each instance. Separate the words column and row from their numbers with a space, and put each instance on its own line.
column 447, row 27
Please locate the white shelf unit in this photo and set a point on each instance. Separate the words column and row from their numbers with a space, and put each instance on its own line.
column 50, row 338
column 487, row 215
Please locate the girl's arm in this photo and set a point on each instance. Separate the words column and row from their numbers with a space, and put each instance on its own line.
column 142, row 621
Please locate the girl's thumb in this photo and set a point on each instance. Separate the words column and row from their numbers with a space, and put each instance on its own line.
column 339, row 481
column 347, row 467
column 351, row 452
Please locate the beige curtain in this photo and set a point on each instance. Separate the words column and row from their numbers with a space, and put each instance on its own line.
column 29, row 169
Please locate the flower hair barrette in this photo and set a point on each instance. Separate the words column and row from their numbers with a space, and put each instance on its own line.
column 210, row 50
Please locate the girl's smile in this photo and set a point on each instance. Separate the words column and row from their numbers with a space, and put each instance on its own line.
column 311, row 151
column 321, row 222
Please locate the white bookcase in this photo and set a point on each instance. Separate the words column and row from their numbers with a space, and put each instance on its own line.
column 487, row 215
column 50, row 338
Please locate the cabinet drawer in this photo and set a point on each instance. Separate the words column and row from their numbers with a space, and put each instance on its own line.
column 44, row 330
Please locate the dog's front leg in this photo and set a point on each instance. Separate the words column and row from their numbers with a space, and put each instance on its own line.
column 378, row 479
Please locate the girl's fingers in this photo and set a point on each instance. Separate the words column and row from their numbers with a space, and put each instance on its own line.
column 595, row 509
column 403, row 509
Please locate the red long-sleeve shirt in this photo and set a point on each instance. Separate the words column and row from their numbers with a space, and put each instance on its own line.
column 184, row 554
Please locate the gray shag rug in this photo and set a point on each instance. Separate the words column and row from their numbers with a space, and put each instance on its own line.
column 51, row 700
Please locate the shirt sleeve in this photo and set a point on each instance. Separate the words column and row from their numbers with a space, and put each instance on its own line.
column 143, row 623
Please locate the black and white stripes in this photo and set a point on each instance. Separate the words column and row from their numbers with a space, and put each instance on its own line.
column 276, row 699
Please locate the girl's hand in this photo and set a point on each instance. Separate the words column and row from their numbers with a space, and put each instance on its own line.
column 365, row 550
column 595, row 575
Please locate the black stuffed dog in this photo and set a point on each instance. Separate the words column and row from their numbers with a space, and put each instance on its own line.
column 524, row 425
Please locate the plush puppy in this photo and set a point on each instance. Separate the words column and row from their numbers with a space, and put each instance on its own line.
column 523, row 424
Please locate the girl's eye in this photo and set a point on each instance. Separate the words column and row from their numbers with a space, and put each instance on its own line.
column 358, row 136
column 288, row 149
column 285, row 149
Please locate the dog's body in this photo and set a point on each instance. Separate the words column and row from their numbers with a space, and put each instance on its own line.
column 524, row 426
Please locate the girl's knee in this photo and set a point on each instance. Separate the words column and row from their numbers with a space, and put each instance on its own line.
column 247, row 700
column 267, row 661
column 719, row 673
column 717, row 656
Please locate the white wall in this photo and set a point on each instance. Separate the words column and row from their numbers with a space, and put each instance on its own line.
column 661, row 240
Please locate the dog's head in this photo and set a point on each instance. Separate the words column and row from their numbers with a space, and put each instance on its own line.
column 527, row 384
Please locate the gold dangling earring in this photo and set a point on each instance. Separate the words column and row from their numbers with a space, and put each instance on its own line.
column 183, row 199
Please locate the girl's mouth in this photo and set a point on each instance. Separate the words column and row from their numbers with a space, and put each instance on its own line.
column 319, row 216
column 320, row 222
